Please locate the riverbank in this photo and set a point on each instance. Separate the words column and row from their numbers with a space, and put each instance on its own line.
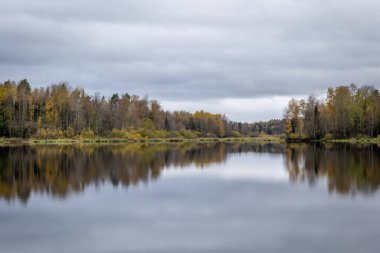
column 264, row 139
column 358, row 141
column 349, row 141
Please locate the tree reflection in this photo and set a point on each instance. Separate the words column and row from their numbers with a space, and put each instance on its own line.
column 59, row 170
column 347, row 168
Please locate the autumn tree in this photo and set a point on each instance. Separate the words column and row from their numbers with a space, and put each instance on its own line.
column 346, row 111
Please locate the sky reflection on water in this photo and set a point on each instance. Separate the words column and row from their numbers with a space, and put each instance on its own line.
column 242, row 203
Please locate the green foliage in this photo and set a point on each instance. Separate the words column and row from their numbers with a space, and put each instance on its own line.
column 235, row 134
column 187, row 134
column 148, row 124
column 263, row 134
column 175, row 135
column 304, row 137
column 298, row 137
column 293, row 137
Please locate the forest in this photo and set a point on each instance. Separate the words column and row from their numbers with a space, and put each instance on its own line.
column 345, row 112
column 60, row 111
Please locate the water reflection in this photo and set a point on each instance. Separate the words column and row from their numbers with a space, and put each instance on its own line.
column 60, row 170
column 347, row 168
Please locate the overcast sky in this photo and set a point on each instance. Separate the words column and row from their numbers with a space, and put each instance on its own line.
column 244, row 58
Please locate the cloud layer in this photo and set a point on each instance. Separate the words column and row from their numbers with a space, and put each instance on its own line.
column 199, row 50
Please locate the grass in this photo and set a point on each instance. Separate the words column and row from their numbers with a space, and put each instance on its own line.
column 263, row 139
column 358, row 140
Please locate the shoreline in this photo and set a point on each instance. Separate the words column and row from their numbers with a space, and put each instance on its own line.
column 31, row 141
column 375, row 140
column 104, row 140
column 357, row 141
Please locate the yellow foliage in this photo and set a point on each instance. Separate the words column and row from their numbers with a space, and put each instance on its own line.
column 87, row 134
column 44, row 133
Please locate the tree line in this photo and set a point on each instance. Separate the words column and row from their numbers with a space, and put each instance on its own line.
column 345, row 112
column 60, row 111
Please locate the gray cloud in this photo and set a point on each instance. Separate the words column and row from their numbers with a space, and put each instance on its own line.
column 192, row 50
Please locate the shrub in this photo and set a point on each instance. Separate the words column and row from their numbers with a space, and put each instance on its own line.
column 49, row 134
column 146, row 133
column 263, row 134
column 304, row 137
column 161, row 134
column 235, row 134
column 134, row 136
column 87, row 133
column 69, row 132
column 293, row 136
column 187, row 134
column 328, row 137
column 211, row 135
column 175, row 134
column 117, row 133
column 125, row 134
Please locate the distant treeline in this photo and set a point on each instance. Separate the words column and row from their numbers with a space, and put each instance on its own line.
column 59, row 111
column 347, row 111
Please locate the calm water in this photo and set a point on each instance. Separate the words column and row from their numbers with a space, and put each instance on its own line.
column 190, row 198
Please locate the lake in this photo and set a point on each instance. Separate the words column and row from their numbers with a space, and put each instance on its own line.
column 210, row 197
